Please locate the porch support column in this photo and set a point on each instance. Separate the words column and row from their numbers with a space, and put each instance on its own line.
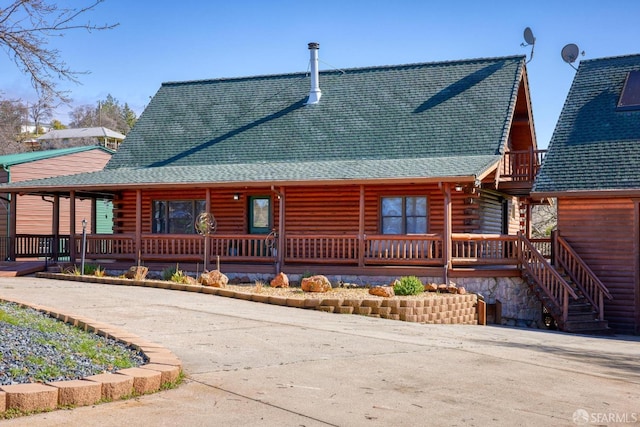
column 94, row 215
column 636, row 257
column 361, row 235
column 446, row 238
column 55, row 228
column 138, row 242
column 207, row 209
column 72, row 226
column 13, row 226
column 281, row 231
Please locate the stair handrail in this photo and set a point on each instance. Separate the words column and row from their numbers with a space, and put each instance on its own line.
column 582, row 276
column 546, row 277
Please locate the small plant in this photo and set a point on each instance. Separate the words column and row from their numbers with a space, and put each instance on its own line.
column 90, row 269
column 169, row 272
column 179, row 277
column 259, row 284
column 99, row 272
column 408, row 285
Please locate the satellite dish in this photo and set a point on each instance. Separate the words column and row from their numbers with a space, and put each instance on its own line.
column 528, row 36
column 529, row 40
column 570, row 53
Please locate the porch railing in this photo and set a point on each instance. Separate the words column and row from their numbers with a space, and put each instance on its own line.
column 521, row 165
column 485, row 249
column 411, row 250
column 407, row 250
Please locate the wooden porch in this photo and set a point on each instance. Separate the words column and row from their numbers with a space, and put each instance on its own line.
column 518, row 170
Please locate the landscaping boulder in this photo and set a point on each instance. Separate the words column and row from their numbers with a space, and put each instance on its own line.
column 214, row 278
column 382, row 291
column 430, row 287
column 316, row 283
column 462, row 291
column 280, row 281
column 137, row 272
column 452, row 289
column 443, row 288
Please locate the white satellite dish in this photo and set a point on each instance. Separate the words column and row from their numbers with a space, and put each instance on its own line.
column 529, row 40
column 570, row 53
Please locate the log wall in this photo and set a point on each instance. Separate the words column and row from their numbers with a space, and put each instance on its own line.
column 602, row 232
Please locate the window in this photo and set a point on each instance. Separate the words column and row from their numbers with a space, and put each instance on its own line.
column 176, row 216
column 404, row 215
column 630, row 96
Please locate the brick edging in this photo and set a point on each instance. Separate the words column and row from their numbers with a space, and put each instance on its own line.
column 163, row 366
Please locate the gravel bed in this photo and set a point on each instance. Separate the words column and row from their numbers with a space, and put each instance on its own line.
column 42, row 349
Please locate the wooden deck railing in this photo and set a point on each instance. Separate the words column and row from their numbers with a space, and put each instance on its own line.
column 393, row 250
column 547, row 278
column 581, row 275
column 403, row 250
column 484, row 249
column 521, row 166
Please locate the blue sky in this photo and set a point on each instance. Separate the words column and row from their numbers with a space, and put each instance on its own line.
column 163, row 41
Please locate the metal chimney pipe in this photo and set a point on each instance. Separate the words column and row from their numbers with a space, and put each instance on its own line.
column 314, row 93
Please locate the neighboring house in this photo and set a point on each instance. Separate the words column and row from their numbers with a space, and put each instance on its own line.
column 97, row 135
column 593, row 169
column 35, row 214
column 364, row 174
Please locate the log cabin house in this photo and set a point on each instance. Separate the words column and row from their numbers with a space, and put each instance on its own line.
column 360, row 174
column 593, row 170
column 33, row 213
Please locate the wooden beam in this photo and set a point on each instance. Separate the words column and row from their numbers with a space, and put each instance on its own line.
column 138, row 226
column 361, row 236
column 55, row 227
column 72, row 226
column 13, row 225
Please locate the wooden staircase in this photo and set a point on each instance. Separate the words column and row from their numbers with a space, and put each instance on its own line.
column 571, row 294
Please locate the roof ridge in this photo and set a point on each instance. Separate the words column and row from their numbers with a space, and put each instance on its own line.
column 604, row 58
column 346, row 70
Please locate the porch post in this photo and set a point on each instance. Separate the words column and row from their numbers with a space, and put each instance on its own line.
column 138, row 226
column 56, row 228
column 94, row 215
column 361, row 235
column 446, row 238
column 207, row 209
column 13, row 226
column 72, row 226
column 281, row 231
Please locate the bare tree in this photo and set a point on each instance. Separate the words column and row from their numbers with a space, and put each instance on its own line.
column 40, row 111
column 26, row 26
column 12, row 114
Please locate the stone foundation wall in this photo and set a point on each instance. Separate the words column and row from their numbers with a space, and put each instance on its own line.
column 520, row 307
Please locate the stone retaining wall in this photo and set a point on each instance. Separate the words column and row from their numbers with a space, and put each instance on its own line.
column 162, row 367
column 447, row 308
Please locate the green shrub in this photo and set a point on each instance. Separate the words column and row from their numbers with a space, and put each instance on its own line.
column 408, row 285
column 179, row 277
column 168, row 272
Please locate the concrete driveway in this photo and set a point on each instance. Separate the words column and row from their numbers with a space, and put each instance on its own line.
column 252, row 364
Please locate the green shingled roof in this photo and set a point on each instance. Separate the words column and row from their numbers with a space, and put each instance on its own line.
column 420, row 110
column 19, row 158
column 430, row 120
column 595, row 146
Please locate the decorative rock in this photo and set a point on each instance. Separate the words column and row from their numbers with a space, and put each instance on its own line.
column 316, row 283
column 443, row 288
column 452, row 289
column 191, row 281
column 280, row 281
column 462, row 291
column 430, row 287
column 382, row 291
column 214, row 278
column 137, row 272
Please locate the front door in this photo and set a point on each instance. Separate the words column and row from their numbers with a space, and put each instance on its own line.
column 260, row 215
